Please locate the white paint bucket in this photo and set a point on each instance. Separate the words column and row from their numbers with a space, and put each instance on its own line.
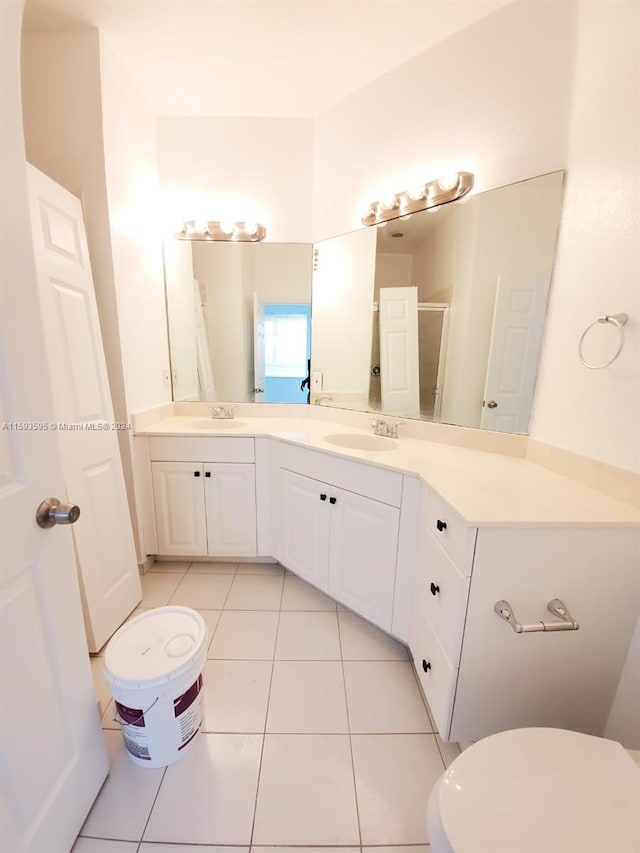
column 153, row 665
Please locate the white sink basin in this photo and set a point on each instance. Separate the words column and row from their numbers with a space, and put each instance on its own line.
column 354, row 441
column 215, row 424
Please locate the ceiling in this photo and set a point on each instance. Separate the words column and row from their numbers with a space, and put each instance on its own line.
column 293, row 58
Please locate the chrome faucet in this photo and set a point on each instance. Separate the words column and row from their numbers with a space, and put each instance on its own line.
column 381, row 427
column 393, row 429
column 221, row 412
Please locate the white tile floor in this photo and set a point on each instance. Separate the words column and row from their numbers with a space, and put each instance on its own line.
column 315, row 731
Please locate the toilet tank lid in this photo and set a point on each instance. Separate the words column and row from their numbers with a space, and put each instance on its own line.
column 535, row 789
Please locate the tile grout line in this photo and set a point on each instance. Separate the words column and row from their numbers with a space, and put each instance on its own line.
column 152, row 808
column 220, row 610
column 266, row 717
column 346, row 705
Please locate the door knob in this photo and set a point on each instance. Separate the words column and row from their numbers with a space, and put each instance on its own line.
column 491, row 404
column 51, row 512
column 257, row 390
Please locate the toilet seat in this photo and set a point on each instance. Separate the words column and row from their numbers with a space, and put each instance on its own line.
column 541, row 790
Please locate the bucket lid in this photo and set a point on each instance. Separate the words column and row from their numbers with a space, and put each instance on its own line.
column 158, row 646
column 541, row 789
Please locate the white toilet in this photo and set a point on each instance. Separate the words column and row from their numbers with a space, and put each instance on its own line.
column 537, row 791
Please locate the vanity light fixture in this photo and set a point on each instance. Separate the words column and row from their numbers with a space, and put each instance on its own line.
column 230, row 232
column 421, row 197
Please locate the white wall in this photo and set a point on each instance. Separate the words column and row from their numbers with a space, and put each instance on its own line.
column 87, row 129
column 63, row 138
column 129, row 141
column 181, row 315
column 257, row 169
column 281, row 272
column 597, row 412
column 222, row 273
column 499, row 100
column 492, row 99
column 393, row 269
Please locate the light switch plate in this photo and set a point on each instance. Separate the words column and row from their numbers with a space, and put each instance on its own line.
column 316, row 380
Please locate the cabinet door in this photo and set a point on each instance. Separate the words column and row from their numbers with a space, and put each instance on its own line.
column 362, row 555
column 561, row 679
column 179, row 503
column 304, row 527
column 230, row 500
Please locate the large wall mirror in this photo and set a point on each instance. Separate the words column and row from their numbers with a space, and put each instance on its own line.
column 439, row 316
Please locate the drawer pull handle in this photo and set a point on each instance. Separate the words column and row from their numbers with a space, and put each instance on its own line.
column 426, row 665
column 435, row 589
column 332, row 500
column 323, row 497
column 555, row 606
column 441, row 525
column 196, row 473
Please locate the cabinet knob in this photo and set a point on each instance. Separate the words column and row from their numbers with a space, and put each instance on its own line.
column 207, row 473
column 323, row 497
column 332, row 500
column 441, row 525
column 426, row 665
column 196, row 473
column 435, row 589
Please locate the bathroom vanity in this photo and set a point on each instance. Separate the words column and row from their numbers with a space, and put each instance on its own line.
column 422, row 539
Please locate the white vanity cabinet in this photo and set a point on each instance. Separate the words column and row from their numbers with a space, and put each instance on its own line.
column 342, row 540
column 479, row 676
column 204, row 508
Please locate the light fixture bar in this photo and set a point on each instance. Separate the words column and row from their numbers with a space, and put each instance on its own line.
column 228, row 232
column 422, row 197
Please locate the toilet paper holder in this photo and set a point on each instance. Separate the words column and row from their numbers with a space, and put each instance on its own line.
column 558, row 608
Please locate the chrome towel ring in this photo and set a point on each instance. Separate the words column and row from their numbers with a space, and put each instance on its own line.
column 617, row 320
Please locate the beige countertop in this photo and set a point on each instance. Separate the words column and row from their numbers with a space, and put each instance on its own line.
column 487, row 489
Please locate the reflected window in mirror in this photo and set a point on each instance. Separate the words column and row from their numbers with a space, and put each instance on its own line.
column 225, row 303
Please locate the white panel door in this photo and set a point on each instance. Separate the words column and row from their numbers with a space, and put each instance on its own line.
column 105, row 550
column 516, row 337
column 258, row 350
column 303, row 543
column 362, row 555
column 178, row 496
column 53, row 759
column 399, row 367
column 230, row 504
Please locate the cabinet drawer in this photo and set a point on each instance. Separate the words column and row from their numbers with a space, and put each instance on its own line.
column 442, row 591
column 201, row 449
column 435, row 672
column 451, row 531
column 367, row 480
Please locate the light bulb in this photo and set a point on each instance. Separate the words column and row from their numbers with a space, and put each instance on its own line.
column 389, row 202
column 448, row 182
column 416, row 193
column 200, row 226
column 227, row 227
column 251, row 227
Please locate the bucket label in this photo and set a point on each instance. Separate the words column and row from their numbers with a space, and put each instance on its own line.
column 140, row 750
column 187, row 712
column 130, row 716
column 181, row 704
column 157, row 733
